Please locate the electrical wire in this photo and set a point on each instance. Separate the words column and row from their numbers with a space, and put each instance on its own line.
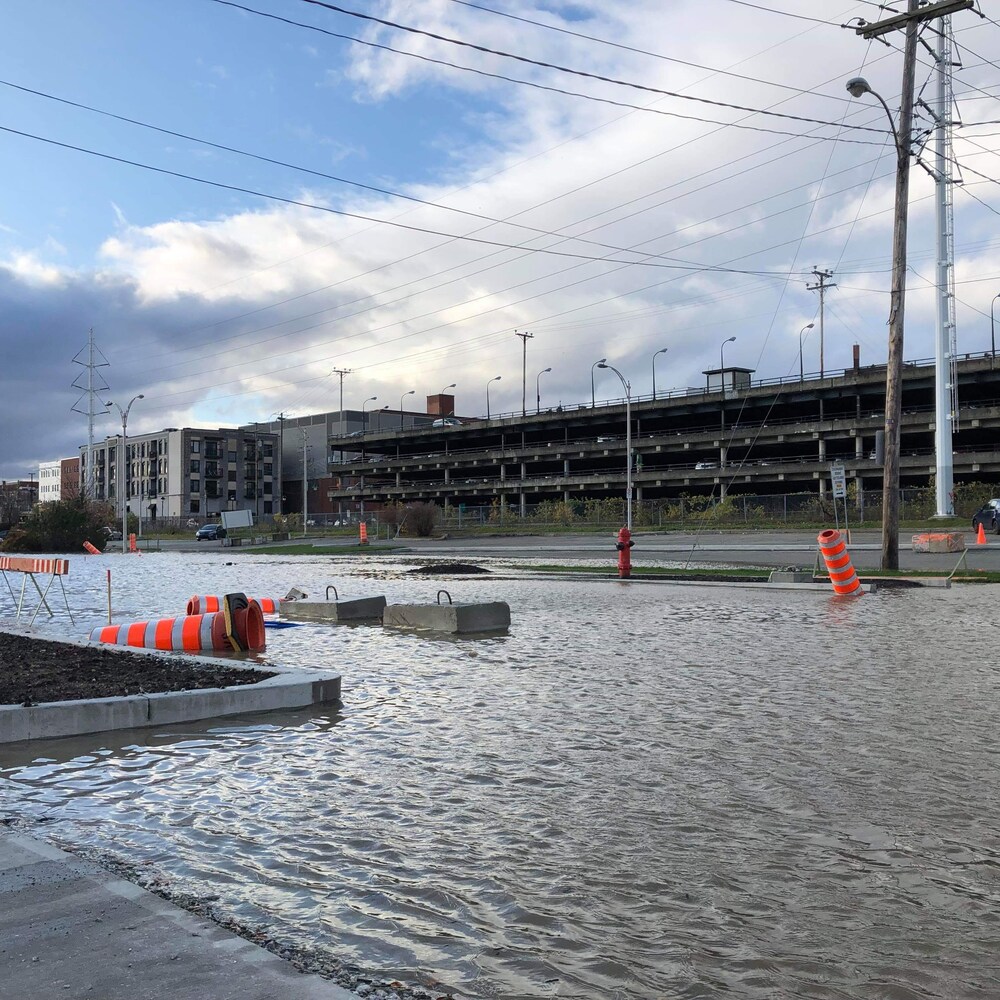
column 529, row 83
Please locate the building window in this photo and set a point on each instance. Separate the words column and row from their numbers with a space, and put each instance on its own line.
column 268, row 450
column 232, row 475
column 267, row 469
column 195, row 465
column 195, row 506
column 232, row 496
column 212, row 489
column 267, row 506
column 195, row 447
column 195, row 486
column 232, row 455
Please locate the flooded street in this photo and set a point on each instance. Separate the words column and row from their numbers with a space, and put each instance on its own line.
column 642, row 791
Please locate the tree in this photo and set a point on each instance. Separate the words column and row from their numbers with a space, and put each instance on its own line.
column 61, row 526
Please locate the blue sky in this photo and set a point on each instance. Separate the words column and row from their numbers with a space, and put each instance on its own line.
column 223, row 307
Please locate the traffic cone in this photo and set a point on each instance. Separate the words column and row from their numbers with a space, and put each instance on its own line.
column 363, row 532
column 980, row 535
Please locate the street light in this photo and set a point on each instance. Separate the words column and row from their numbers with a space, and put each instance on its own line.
column 447, row 387
column 808, row 326
column 538, row 391
column 662, row 350
column 596, row 364
column 496, row 378
column 993, row 332
column 628, row 441
column 122, row 474
column 401, row 398
column 378, row 414
column 722, row 408
column 894, row 363
column 364, row 416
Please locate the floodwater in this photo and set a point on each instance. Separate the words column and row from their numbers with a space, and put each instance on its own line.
column 641, row 791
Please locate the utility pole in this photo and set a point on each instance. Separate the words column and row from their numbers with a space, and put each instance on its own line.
column 946, row 342
column 341, row 372
column 525, row 337
column 95, row 385
column 305, row 483
column 822, row 284
column 894, row 367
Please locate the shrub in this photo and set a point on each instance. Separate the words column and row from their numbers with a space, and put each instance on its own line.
column 421, row 518
column 61, row 526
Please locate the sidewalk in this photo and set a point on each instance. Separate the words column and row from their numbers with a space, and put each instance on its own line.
column 70, row 929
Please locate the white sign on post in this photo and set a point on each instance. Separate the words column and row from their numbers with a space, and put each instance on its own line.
column 838, row 478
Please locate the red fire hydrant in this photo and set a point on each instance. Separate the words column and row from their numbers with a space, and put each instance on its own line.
column 624, row 547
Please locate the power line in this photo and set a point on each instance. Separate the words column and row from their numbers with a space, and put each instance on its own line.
column 341, row 212
column 573, row 72
column 785, row 13
column 539, row 86
column 647, row 52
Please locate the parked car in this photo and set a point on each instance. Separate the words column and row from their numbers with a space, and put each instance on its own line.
column 210, row 533
column 706, row 465
column 988, row 516
column 447, row 422
column 112, row 534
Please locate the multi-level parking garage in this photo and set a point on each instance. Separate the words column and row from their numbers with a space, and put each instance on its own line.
column 772, row 436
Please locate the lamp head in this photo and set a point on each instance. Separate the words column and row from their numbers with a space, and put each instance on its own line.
column 808, row 326
column 141, row 396
column 601, row 364
column 544, row 370
column 410, row 393
column 857, row 86
column 731, row 340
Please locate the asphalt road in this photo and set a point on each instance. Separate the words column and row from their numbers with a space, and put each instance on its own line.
column 787, row 548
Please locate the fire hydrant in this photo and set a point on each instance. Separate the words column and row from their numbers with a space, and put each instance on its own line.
column 624, row 547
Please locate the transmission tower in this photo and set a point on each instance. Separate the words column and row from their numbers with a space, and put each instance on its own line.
column 93, row 385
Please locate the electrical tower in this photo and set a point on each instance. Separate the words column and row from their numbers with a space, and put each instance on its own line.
column 525, row 337
column 94, row 387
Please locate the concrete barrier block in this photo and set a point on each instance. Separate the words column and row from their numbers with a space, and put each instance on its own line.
column 67, row 718
column 491, row 617
column 362, row 609
column 790, row 576
column 945, row 541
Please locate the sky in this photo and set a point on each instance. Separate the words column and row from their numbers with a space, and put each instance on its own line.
column 238, row 199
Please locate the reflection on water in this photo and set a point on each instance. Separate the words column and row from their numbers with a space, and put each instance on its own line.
column 641, row 791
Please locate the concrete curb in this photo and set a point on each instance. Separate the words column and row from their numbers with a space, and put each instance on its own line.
column 290, row 689
column 68, row 928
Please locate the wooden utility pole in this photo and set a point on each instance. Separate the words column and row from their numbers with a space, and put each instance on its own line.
column 525, row 337
column 894, row 367
column 822, row 284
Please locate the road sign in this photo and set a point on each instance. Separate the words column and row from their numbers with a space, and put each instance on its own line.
column 839, row 481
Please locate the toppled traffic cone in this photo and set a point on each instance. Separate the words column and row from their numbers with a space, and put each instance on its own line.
column 980, row 535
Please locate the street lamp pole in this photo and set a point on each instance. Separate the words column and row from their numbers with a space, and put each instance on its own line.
column 538, row 391
column 596, row 364
column 412, row 392
column 442, row 392
column 628, row 441
column 722, row 408
column 662, row 350
column 496, row 378
column 122, row 473
column 802, row 375
column 993, row 332
column 894, row 363
column 364, row 415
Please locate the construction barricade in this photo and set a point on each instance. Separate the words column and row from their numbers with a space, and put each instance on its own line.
column 54, row 569
column 238, row 625
column 838, row 563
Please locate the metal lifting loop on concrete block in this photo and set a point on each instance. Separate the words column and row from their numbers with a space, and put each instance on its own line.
column 446, row 594
column 336, row 596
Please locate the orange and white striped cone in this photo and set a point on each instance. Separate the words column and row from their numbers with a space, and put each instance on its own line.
column 838, row 563
column 206, row 604
column 240, row 626
column 363, row 534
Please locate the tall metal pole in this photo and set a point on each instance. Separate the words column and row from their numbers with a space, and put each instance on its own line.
column 525, row 337
column 593, row 394
column 628, row 441
column 662, row 350
column 993, row 331
column 538, row 389
column 305, row 483
column 944, row 480
column 496, row 378
column 722, row 407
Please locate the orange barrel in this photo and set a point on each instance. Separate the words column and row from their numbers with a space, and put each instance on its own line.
column 363, row 533
column 200, row 605
column 838, row 563
column 243, row 631
column 92, row 549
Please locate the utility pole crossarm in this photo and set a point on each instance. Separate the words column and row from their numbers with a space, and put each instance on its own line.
column 876, row 29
